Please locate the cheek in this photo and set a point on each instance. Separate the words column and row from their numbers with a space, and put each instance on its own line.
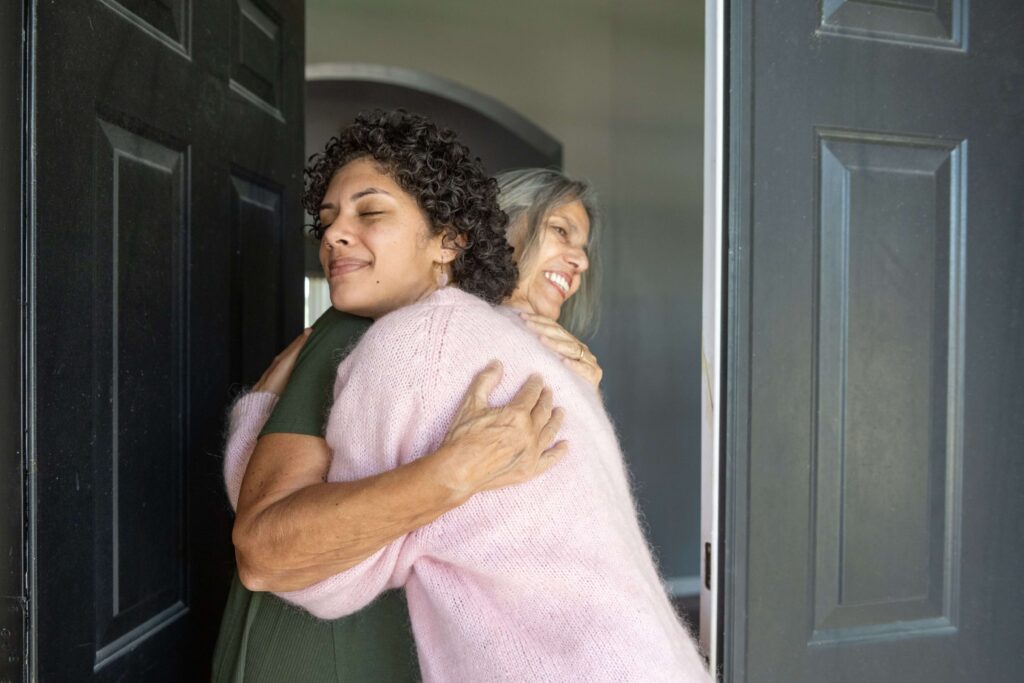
column 324, row 257
column 400, row 260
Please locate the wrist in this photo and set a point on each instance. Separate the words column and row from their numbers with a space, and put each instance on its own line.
column 452, row 478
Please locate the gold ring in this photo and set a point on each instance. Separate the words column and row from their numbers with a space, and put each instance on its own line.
column 580, row 357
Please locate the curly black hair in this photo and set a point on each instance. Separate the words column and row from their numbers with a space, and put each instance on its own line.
column 450, row 186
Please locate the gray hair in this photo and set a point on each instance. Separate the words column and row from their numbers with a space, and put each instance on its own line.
column 528, row 196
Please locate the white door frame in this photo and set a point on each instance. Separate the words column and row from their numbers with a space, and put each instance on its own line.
column 712, row 326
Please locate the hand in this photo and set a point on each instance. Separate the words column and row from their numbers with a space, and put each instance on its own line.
column 275, row 379
column 488, row 448
column 575, row 353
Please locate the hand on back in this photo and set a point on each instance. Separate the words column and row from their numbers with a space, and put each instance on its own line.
column 488, row 448
column 485, row 447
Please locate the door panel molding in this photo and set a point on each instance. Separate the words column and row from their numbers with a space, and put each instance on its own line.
column 257, row 56
column 891, row 224
column 935, row 23
column 139, row 375
column 169, row 23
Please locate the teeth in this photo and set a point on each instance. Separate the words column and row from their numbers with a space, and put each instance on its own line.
column 559, row 280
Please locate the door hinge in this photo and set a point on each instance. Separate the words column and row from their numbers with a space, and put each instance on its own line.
column 12, row 640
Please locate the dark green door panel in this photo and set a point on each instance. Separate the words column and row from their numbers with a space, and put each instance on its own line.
column 876, row 316
column 167, row 257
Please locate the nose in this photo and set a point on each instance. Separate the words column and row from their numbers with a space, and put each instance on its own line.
column 577, row 258
column 337, row 234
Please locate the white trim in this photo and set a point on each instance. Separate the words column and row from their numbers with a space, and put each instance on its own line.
column 318, row 298
column 711, row 324
column 683, row 586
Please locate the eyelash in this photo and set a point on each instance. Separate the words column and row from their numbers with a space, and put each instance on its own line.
column 362, row 214
column 560, row 230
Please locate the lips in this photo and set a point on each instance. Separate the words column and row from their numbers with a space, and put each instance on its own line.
column 560, row 281
column 342, row 266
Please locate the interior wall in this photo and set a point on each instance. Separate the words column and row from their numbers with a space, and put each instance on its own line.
column 620, row 84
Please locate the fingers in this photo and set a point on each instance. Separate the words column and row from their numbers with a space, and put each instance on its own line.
column 541, row 412
column 547, row 327
column 558, row 339
column 591, row 373
column 484, row 383
column 573, row 350
column 296, row 344
column 552, row 455
column 275, row 377
column 550, row 430
column 528, row 394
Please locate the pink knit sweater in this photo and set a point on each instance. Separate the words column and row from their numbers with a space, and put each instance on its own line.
column 551, row 580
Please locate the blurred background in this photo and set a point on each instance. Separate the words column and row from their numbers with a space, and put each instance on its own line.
column 618, row 87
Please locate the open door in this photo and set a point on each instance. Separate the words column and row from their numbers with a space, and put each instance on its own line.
column 874, row 308
column 162, row 269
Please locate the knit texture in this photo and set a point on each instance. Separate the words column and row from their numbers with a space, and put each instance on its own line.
column 247, row 417
column 551, row 580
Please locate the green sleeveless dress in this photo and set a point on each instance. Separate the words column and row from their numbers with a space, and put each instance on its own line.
column 264, row 639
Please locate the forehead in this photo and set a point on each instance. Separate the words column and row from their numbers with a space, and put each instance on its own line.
column 357, row 175
column 574, row 214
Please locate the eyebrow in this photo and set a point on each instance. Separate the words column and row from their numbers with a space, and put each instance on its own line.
column 572, row 224
column 369, row 190
column 576, row 229
column 357, row 195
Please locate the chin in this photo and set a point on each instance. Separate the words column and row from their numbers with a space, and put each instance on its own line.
column 551, row 310
column 347, row 304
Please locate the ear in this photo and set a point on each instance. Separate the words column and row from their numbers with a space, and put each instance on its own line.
column 452, row 245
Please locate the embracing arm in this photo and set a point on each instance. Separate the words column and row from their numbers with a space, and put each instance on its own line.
column 292, row 529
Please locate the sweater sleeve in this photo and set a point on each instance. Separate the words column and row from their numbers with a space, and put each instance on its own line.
column 378, row 399
column 246, row 420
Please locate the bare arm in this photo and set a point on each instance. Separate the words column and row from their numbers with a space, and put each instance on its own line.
column 292, row 529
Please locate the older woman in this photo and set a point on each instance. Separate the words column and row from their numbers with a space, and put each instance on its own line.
column 549, row 580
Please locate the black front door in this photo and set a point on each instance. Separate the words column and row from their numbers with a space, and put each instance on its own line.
column 164, row 270
column 873, row 488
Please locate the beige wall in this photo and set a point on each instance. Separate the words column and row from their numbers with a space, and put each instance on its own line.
column 619, row 83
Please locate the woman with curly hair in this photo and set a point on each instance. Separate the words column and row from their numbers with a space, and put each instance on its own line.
column 549, row 580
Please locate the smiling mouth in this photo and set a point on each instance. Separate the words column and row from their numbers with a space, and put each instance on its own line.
column 345, row 265
column 560, row 282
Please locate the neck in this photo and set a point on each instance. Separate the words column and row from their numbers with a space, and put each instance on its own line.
column 520, row 304
column 415, row 298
